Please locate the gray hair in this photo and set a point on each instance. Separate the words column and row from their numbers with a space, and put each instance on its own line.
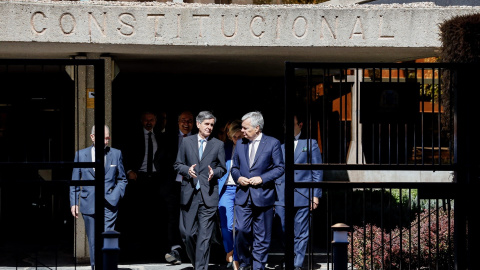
column 93, row 129
column 204, row 115
column 256, row 119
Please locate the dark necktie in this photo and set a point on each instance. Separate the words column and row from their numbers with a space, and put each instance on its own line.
column 150, row 153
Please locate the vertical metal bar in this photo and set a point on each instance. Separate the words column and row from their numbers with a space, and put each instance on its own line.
column 340, row 119
column 326, row 122
column 289, row 173
column 328, row 232
column 364, row 223
column 99, row 84
column 419, row 251
column 76, row 147
column 409, row 209
column 350, row 221
column 440, row 111
column 389, row 144
column 401, row 228
column 439, row 118
column 429, row 232
column 449, row 224
column 437, row 234
column 432, row 121
column 380, row 139
column 345, row 116
column 357, row 106
column 422, row 123
column 382, row 226
column 390, row 251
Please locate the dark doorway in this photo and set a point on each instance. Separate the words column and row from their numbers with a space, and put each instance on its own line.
column 227, row 97
column 36, row 125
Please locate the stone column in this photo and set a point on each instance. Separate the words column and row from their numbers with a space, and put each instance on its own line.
column 84, row 120
column 355, row 151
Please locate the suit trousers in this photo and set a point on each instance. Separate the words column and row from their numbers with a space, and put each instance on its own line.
column 253, row 229
column 300, row 228
column 225, row 210
column 152, row 214
column 89, row 220
column 196, row 227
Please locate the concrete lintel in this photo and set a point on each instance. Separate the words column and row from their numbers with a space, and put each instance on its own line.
column 133, row 23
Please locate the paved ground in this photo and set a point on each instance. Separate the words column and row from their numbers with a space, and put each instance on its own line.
column 65, row 262
column 18, row 255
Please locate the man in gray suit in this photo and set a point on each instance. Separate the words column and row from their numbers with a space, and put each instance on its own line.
column 201, row 162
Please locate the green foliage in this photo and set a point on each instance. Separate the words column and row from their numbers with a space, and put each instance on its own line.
column 430, row 92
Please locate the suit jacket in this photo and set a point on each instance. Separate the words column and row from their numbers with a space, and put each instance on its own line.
column 228, row 159
column 213, row 155
column 136, row 152
column 172, row 146
column 300, row 157
column 115, row 180
column 268, row 164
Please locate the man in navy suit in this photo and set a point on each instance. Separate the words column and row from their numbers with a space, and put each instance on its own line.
column 115, row 183
column 257, row 163
column 304, row 202
column 201, row 162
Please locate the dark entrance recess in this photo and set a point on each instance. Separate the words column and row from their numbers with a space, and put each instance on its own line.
column 227, row 97
column 36, row 125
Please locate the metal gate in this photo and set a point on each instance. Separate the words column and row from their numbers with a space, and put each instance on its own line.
column 37, row 130
column 396, row 162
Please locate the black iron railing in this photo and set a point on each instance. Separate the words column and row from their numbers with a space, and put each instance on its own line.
column 389, row 144
column 34, row 137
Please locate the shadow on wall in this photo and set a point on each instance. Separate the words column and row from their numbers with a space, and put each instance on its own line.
column 335, row 175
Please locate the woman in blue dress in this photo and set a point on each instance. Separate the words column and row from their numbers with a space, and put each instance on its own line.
column 226, row 188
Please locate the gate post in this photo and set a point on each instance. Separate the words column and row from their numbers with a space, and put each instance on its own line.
column 340, row 246
column 84, row 79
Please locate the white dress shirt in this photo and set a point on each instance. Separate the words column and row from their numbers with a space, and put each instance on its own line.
column 257, row 142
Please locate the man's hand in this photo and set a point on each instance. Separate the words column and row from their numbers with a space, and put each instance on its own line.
column 210, row 172
column 132, row 175
column 255, row 181
column 243, row 181
column 74, row 211
column 314, row 203
column 191, row 171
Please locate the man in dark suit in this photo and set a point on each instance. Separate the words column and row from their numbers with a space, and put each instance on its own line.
column 147, row 163
column 257, row 163
column 115, row 183
column 201, row 162
column 306, row 151
column 173, row 141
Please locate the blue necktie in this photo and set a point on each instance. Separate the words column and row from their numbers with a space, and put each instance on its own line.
column 200, row 153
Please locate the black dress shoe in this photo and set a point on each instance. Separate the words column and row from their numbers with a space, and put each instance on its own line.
column 249, row 267
column 298, row 268
column 230, row 265
column 173, row 257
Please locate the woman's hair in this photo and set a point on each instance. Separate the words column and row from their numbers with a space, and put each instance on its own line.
column 234, row 127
